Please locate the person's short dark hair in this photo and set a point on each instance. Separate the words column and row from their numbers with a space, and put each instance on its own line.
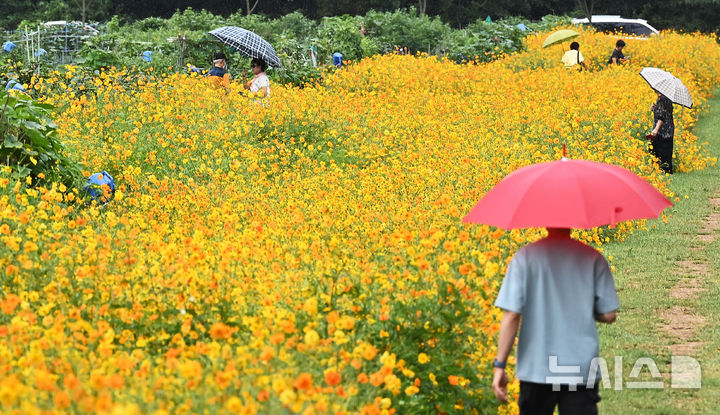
column 259, row 62
column 620, row 43
column 575, row 46
column 219, row 55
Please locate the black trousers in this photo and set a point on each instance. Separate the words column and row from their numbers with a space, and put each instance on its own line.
column 662, row 148
column 540, row 399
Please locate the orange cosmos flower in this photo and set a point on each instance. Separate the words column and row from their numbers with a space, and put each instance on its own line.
column 219, row 330
column 332, row 377
column 11, row 301
column 61, row 400
column 304, row 381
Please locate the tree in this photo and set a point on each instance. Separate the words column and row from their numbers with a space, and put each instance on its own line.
column 83, row 5
column 587, row 8
column 422, row 6
column 250, row 9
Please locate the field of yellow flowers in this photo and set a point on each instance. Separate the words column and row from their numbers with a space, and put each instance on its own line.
column 308, row 256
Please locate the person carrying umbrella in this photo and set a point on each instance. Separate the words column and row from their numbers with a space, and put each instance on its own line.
column 559, row 287
column 663, row 132
column 574, row 57
column 218, row 73
column 253, row 46
column 260, row 84
column 669, row 90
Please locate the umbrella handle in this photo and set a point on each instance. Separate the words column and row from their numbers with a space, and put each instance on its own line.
column 613, row 218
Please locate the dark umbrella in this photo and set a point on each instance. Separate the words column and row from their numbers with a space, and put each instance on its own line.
column 247, row 43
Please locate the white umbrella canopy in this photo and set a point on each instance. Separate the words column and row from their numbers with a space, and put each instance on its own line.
column 668, row 85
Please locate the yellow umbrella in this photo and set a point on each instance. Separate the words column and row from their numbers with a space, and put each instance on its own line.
column 560, row 36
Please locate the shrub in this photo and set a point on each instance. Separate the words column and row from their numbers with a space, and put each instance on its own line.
column 340, row 34
column 29, row 142
column 405, row 29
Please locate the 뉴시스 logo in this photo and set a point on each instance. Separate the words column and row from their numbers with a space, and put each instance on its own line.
column 685, row 373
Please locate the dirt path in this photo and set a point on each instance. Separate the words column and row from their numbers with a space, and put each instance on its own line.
column 682, row 322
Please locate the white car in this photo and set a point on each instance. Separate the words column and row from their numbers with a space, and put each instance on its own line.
column 620, row 25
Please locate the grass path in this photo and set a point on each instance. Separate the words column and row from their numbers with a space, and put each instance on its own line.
column 668, row 280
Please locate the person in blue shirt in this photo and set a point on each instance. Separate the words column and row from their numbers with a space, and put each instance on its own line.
column 559, row 288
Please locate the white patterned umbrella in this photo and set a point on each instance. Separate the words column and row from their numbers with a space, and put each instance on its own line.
column 247, row 43
column 668, row 85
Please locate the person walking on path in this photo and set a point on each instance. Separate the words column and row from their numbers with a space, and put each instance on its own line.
column 661, row 137
column 618, row 57
column 574, row 57
column 559, row 288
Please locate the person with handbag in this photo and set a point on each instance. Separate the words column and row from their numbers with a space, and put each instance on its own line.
column 662, row 135
column 574, row 57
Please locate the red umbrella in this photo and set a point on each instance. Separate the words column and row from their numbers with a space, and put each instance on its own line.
column 568, row 194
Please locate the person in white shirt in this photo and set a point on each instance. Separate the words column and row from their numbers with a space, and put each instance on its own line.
column 573, row 56
column 260, row 84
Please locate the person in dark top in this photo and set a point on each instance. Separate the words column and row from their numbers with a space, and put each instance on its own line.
column 661, row 137
column 219, row 71
column 617, row 56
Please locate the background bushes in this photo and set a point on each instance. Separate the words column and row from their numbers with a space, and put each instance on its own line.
column 182, row 39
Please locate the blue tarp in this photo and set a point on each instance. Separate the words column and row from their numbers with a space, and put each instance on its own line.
column 337, row 59
column 9, row 46
column 14, row 84
column 94, row 186
column 147, row 56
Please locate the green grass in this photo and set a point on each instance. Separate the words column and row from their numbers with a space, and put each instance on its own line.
column 646, row 270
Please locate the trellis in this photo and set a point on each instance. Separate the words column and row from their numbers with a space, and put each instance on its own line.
column 52, row 43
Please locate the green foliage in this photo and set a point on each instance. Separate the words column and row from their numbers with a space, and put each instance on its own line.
column 191, row 20
column 483, row 41
column 151, row 23
column 340, row 34
column 293, row 36
column 97, row 59
column 29, row 142
column 401, row 29
column 296, row 25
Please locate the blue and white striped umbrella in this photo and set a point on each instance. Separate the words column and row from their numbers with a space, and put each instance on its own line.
column 247, row 43
column 668, row 85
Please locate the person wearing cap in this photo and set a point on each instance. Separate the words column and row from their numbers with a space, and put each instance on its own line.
column 573, row 57
column 260, row 84
column 218, row 73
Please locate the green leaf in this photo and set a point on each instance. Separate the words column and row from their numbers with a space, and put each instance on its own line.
column 33, row 125
column 46, row 106
column 11, row 141
column 38, row 139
